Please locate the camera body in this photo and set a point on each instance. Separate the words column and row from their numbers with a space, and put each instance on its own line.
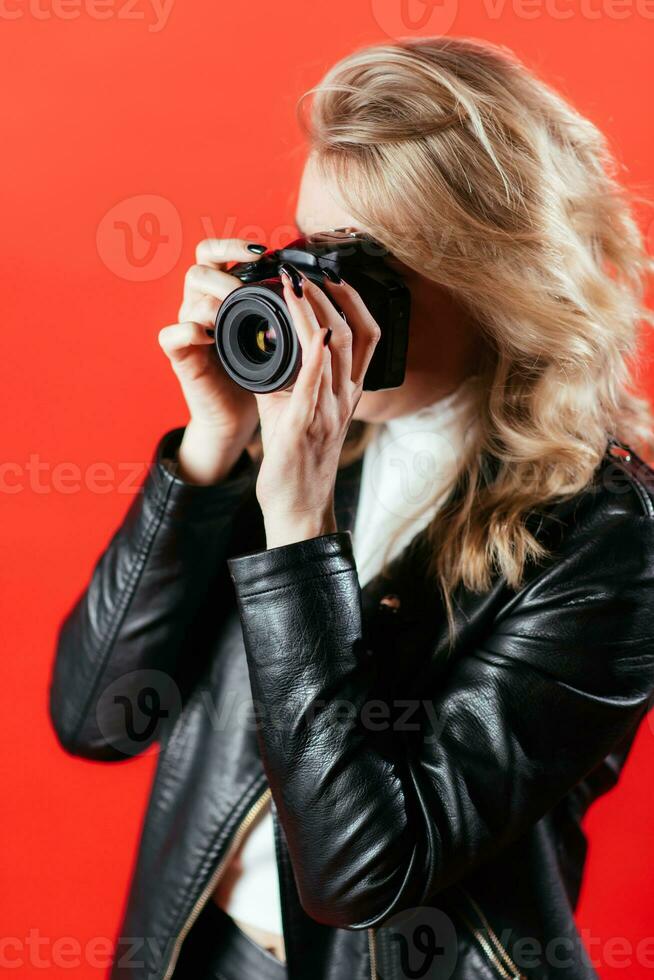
column 255, row 337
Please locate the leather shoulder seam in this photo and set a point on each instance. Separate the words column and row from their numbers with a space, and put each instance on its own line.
column 628, row 465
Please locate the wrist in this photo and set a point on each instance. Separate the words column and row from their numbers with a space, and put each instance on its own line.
column 284, row 529
column 207, row 453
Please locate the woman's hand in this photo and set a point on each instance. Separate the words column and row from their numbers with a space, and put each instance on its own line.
column 223, row 416
column 303, row 430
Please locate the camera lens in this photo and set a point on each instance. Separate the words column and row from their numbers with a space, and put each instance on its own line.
column 257, row 338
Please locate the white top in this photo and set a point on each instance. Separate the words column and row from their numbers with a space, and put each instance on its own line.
column 405, row 464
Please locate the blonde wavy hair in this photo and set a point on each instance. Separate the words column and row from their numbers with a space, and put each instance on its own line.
column 475, row 173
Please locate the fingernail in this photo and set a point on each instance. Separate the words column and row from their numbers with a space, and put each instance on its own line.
column 328, row 335
column 331, row 275
column 210, row 332
column 293, row 276
column 256, row 248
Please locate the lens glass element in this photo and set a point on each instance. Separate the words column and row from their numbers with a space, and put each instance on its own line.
column 257, row 338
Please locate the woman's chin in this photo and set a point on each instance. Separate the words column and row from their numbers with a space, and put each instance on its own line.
column 378, row 406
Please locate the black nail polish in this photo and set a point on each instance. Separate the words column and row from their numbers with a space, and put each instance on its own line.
column 328, row 336
column 294, row 275
column 331, row 275
column 210, row 332
column 256, row 248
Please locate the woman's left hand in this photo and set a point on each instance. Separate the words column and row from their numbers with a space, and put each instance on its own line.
column 303, row 430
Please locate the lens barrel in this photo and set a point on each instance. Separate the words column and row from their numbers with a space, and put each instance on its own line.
column 255, row 339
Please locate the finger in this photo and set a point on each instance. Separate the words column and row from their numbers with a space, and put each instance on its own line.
column 307, row 387
column 326, row 395
column 312, row 324
column 364, row 327
column 202, row 280
column 302, row 313
column 200, row 309
column 178, row 337
column 217, row 252
column 340, row 341
column 306, row 327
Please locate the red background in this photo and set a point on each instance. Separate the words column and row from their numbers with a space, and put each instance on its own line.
column 200, row 113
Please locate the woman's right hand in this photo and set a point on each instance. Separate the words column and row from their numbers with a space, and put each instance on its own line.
column 222, row 415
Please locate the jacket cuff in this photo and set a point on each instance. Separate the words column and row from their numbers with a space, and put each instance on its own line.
column 276, row 568
column 197, row 500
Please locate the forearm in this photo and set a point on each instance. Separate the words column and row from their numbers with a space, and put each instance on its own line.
column 320, row 739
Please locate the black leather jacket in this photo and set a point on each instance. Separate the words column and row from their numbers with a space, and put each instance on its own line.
column 426, row 803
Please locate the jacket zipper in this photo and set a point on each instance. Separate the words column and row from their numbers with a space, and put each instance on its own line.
column 495, row 952
column 372, row 946
column 233, row 846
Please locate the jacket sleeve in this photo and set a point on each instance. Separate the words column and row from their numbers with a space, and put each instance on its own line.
column 565, row 673
column 127, row 648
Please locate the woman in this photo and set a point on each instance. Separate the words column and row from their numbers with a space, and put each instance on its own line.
column 393, row 655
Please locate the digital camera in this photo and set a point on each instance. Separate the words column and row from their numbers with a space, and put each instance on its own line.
column 255, row 337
